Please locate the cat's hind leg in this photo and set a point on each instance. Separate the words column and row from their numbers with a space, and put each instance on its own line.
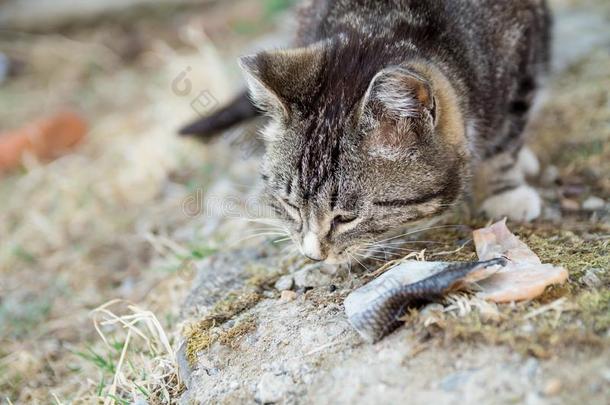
column 502, row 180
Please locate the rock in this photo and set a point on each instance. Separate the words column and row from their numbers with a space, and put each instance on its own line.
column 569, row 205
column 288, row 296
column 311, row 276
column 550, row 175
column 552, row 387
column 272, row 388
column 184, row 368
column 593, row 203
column 285, row 283
column 591, row 279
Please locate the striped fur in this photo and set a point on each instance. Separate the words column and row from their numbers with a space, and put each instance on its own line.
column 384, row 110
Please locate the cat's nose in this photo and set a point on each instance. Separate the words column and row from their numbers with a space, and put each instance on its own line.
column 312, row 248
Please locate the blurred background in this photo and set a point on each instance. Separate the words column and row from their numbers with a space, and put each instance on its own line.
column 101, row 211
column 97, row 191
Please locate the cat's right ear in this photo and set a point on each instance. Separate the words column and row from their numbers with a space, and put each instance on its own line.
column 398, row 93
column 281, row 80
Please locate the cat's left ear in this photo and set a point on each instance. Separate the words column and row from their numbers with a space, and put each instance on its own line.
column 399, row 93
column 279, row 81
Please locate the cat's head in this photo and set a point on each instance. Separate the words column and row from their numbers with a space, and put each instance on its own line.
column 355, row 148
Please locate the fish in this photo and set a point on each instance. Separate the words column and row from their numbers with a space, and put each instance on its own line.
column 507, row 270
column 375, row 309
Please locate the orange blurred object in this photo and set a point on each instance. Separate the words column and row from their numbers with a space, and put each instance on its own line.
column 46, row 138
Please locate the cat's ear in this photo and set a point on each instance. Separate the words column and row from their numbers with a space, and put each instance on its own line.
column 399, row 93
column 280, row 80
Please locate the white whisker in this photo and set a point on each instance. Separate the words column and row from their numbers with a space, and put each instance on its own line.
column 419, row 230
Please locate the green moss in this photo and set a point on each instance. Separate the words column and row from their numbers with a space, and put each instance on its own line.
column 584, row 318
column 233, row 335
column 595, row 310
column 203, row 333
column 540, row 336
column 201, row 337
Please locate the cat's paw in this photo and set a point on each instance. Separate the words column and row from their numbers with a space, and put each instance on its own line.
column 528, row 163
column 521, row 204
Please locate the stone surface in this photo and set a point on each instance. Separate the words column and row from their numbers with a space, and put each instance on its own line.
column 304, row 351
column 272, row 388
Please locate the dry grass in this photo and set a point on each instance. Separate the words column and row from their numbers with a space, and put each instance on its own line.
column 108, row 221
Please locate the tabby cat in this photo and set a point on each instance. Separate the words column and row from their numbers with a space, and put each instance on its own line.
column 387, row 112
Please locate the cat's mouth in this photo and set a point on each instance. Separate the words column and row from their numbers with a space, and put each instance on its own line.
column 354, row 254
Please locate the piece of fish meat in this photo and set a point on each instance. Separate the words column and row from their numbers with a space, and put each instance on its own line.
column 524, row 277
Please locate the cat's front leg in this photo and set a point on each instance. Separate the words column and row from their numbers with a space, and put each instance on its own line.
column 504, row 189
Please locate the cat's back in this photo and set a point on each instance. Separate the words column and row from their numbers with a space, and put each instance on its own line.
column 324, row 18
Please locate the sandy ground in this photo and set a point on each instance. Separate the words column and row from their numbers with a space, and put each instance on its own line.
column 138, row 215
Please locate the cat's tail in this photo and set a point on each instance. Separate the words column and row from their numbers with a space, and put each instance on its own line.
column 238, row 110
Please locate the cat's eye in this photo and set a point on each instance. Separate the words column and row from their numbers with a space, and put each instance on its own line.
column 343, row 219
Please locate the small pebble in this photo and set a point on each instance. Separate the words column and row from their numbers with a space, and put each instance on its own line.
column 550, row 175
column 552, row 387
column 288, row 295
column 284, row 283
column 311, row 276
column 591, row 279
column 569, row 205
column 593, row 203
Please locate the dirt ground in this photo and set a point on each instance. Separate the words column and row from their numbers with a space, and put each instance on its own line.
column 130, row 271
